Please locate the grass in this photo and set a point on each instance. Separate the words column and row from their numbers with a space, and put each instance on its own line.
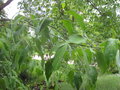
column 108, row 82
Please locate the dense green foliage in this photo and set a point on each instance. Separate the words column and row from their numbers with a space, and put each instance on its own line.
column 108, row 82
column 77, row 42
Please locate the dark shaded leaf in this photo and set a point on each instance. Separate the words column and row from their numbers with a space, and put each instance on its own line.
column 77, row 80
column 48, row 69
column 2, row 84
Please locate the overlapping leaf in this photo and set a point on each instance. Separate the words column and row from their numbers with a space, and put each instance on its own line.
column 59, row 56
column 76, row 39
column 55, row 63
column 68, row 25
column 77, row 80
column 78, row 18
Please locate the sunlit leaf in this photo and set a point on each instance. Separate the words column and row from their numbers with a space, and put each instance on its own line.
column 76, row 39
column 63, row 5
column 78, row 18
column 68, row 25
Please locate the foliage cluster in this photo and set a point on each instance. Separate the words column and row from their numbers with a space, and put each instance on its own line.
column 81, row 35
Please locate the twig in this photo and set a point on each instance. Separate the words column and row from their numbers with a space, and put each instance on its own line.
column 94, row 6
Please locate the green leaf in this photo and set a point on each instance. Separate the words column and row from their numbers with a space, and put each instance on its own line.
column 64, row 86
column 92, row 74
column 1, row 45
column 63, row 5
column 81, row 54
column 68, row 25
column 36, row 71
column 59, row 56
column 16, row 59
column 78, row 18
column 38, row 46
column 107, row 55
column 118, row 58
column 58, row 45
column 111, row 49
column 77, row 80
column 89, row 53
column 45, row 23
column 6, row 81
column 101, row 61
column 42, row 26
column 70, row 77
column 2, row 84
column 45, row 34
column 76, row 39
column 19, row 30
column 19, row 17
column 48, row 69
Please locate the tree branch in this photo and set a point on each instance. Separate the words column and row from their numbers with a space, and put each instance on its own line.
column 5, row 4
column 94, row 6
column 4, row 19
